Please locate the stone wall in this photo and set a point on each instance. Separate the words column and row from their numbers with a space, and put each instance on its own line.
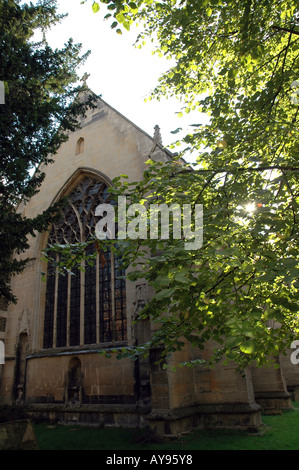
column 189, row 398
column 270, row 388
column 101, row 380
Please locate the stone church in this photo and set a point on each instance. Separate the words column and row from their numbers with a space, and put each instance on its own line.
column 53, row 335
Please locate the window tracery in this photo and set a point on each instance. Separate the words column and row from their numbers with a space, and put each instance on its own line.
column 89, row 306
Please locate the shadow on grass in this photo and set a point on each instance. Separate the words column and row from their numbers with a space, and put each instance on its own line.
column 280, row 433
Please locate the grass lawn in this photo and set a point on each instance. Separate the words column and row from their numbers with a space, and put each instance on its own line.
column 281, row 433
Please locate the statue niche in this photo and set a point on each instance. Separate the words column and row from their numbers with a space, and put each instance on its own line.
column 74, row 383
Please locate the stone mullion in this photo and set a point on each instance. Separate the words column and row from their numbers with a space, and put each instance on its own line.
column 68, row 310
column 97, row 299
column 112, row 287
column 55, row 306
column 82, row 299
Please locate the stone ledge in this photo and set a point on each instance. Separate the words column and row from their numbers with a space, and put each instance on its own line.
column 276, row 394
column 276, row 400
column 223, row 408
column 102, row 408
column 72, row 350
column 91, row 415
column 237, row 416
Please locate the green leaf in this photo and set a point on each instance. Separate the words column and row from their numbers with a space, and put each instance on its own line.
column 181, row 277
column 232, row 73
column 126, row 25
column 133, row 7
column 223, row 71
column 95, row 7
column 163, row 294
column 176, row 131
column 248, row 347
column 120, row 17
column 233, row 342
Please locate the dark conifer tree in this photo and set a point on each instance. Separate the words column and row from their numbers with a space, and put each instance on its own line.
column 41, row 87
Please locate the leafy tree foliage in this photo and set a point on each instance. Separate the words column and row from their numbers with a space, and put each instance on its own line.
column 237, row 62
column 40, row 108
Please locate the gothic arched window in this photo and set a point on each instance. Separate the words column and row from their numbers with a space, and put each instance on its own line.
column 89, row 305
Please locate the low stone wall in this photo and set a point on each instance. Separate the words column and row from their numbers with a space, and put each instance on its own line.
column 237, row 416
column 131, row 416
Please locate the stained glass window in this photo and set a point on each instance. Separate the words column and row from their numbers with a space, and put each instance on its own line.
column 89, row 305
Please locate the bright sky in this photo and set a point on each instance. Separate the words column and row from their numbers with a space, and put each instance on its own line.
column 121, row 73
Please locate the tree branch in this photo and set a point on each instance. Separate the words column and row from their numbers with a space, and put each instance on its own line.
column 222, row 279
column 287, row 30
column 236, row 170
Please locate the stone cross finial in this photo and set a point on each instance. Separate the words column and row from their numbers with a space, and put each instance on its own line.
column 157, row 134
column 84, row 78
